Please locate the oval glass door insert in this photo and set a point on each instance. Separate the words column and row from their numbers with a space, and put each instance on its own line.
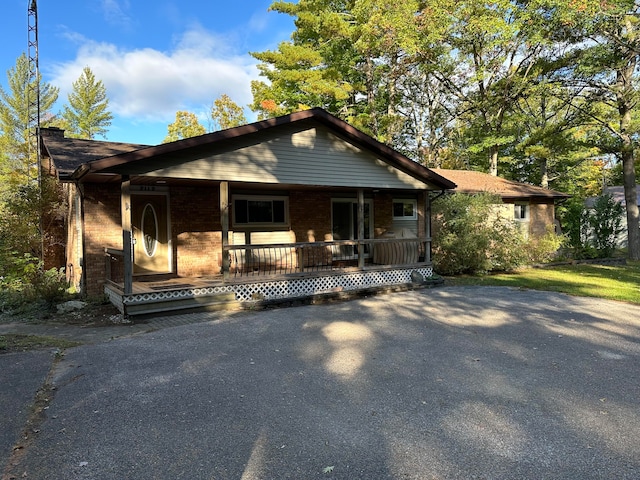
column 150, row 230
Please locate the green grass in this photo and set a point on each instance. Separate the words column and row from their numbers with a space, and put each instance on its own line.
column 613, row 282
column 13, row 342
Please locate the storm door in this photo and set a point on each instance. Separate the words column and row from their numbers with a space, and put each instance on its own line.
column 151, row 249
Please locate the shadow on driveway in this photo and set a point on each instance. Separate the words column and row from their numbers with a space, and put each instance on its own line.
column 457, row 382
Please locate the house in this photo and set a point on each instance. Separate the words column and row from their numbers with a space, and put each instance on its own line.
column 531, row 207
column 282, row 208
column 617, row 193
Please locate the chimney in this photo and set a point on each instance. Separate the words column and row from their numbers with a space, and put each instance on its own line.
column 51, row 132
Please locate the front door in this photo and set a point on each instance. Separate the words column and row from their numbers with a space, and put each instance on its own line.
column 151, row 250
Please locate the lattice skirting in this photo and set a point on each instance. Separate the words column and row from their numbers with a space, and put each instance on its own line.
column 290, row 288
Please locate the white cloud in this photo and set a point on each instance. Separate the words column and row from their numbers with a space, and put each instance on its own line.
column 150, row 85
column 115, row 12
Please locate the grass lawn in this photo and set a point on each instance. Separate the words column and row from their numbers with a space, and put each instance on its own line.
column 613, row 282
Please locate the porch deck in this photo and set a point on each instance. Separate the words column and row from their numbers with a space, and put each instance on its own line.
column 258, row 273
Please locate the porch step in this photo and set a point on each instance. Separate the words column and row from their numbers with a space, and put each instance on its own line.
column 216, row 302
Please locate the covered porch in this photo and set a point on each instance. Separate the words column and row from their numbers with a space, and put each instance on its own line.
column 259, row 274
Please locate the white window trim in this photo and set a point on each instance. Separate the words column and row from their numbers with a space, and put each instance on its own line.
column 261, row 198
column 414, row 203
column 527, row 206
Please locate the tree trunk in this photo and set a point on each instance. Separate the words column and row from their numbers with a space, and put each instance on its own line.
column 631, row 199
column 544, row 173
column 493, row 161
column 626, row 99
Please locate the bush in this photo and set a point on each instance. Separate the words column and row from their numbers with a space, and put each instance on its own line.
column 471, row 237
column 544, row 249
column 592, row 233
column 26, row 282
column 606, row 224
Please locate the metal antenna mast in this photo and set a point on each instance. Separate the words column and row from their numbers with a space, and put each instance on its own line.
column 33, row 85
column 33, row 102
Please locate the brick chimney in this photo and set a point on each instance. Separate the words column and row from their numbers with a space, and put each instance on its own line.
column 52, row 132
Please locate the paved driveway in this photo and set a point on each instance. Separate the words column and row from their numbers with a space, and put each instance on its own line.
column 450, row 383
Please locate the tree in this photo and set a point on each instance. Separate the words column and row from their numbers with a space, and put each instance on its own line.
column 489, row 50
column 225, row 113
column 607, row 45
column 185, row 126
column 87, row 114
column 23, row 203
column 17, row 108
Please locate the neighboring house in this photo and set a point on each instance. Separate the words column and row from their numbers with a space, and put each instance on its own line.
column 283, row 208
column 617, row 192
column 531, row 207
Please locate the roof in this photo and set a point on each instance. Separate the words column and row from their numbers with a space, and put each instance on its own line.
column 469, row 181
column 96, row 158
column 69, row 153
column 617, row 192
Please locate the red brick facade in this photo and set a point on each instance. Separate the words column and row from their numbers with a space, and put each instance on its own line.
column 195, row 224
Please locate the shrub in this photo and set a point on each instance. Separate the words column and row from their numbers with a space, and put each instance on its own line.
column 606, row 224
column 471, row 237
column 545, row 248
column 26, row 282
column 592, row 233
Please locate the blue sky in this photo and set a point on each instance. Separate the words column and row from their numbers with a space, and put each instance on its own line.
column 154, row 57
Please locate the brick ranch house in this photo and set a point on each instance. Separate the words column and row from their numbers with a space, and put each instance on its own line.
column 282, row 208
column 531, row 207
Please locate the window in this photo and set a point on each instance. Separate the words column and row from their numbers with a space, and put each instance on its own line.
column 405, row 210
column 521, row 211
column 260, row 210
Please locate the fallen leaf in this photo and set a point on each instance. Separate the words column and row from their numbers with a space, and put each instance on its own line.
column 328, row 469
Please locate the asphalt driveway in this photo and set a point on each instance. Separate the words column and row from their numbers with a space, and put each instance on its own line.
column 450, row 383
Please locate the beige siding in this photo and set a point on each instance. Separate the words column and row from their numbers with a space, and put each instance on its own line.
column 312, row 156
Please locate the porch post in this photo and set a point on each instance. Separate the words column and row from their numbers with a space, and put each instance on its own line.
column 224, row 219
column 427, row 226
column 127, row 233
column 360, row 228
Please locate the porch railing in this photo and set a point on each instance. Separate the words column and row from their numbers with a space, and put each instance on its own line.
column 114, row 265
column 303, row 257
column 310, row 257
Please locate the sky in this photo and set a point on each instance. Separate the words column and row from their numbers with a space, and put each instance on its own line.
column 154, row 57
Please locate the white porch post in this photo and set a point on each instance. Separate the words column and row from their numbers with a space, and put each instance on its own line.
column 360, row 228
column 127, row 233
column 224, row 219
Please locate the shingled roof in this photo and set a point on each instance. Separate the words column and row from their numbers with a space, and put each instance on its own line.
column 469, row 181
column 67, row 154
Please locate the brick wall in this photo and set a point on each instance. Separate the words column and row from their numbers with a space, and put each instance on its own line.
column 196, row 230
column 542, row 217
column 310, row 215
column 102, row 228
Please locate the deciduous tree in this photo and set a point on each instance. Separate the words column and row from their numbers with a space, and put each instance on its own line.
column 225, row 113
column 185, row 126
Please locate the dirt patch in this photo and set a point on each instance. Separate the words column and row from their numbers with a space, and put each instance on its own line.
column 94, row 315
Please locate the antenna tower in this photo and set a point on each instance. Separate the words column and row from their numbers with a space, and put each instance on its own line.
column 33, row 103
column 33, row 82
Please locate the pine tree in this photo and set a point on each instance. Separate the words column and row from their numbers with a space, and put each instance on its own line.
column 87, row 114
column 17, row 155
